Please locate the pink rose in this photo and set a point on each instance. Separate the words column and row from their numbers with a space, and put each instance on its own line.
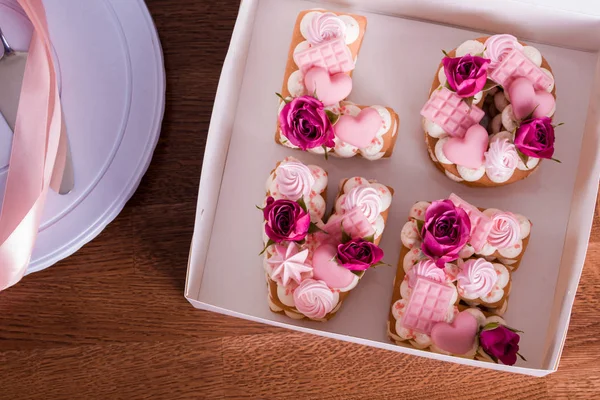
column 500, row 343
column 358, row 254
column 535, row 138
column 304, row 122
column 286, row 220
column 446, row 230
column 466, row 75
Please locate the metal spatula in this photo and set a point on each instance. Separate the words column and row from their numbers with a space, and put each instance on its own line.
column 12, row 69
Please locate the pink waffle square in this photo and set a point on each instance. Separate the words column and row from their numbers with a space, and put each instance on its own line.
column 515, row 65
column 481, row 224
column 332, row 55
column 354, row 222
column 428, row 304
column 450, row 112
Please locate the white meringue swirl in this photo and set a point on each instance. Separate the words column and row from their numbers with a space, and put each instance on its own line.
column 498, row 46
column 501, row 160
column 476, row 278
column 425, row 269
column 367, row 199
column 506, row 230
column 314, row 298
column 294, row 180
column 324, row 27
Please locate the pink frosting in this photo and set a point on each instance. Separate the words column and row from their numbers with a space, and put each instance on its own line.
column 294, row 180
column 501, row 159
column 425, row 269
column 325, row 27
column 365, row 198
column 506, row 230
column 314, row 299
column 498, row 46
column 477, row 278
column 289, row 264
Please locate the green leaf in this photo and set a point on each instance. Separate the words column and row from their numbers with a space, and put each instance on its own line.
column 490, row 326
column 260, row 208
column 513, row 329
column 446, row 54
column 332, row 117
column 313, row 228
column 370, row 238
column 489, row 84
column 380, row 263
column 326, row 152
column 315, row 93
column 559, row 124
column 269, row 243
column 557, row 160
column 469, row 101
column 420, row 224
column 524, row 158
column 447, row 86
column 345, row 237
column 358, row 273
column 530, row 115
column 522, row 358
column 281, row 97
column 421, row 257
column 302, row 204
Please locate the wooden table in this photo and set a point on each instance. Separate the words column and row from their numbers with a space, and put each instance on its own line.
column 111, row 321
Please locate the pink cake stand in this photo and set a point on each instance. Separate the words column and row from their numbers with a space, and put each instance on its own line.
column 112, row 83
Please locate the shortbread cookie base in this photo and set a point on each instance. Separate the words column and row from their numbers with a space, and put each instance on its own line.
column 297, row 38
column 452, row 168
column 278, row 307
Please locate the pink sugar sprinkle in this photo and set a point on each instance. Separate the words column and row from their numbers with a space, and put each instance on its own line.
column 517, row 246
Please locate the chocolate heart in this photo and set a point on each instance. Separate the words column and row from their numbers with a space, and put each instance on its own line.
column 330, row 89
column 468, row 151
column 458, row 337
column 525, row 99
column 326, row 269
column 359, row 131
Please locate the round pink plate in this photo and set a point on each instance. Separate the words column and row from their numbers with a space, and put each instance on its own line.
column 112, row 84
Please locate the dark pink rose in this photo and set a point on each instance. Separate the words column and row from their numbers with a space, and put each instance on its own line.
column 358, row 254
column 446, row 230
column 286, row 220
column 466, row 75
column 304, row 122
column 500, row 343
column 535, row 138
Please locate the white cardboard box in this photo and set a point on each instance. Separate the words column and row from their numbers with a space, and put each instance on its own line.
column 398, row 59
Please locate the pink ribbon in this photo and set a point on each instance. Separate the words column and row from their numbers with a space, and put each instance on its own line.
column 38, row 152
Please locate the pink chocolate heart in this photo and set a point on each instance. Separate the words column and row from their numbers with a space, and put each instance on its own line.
column 458, row 337
column 330, row 89
column 359, row 131
column 524, row 99
column 326, row 269
column 469, row 150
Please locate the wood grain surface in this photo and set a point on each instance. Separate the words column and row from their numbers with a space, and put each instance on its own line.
column 111, row 321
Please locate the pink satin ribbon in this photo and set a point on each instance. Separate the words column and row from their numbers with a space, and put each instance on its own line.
column 38, row 152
